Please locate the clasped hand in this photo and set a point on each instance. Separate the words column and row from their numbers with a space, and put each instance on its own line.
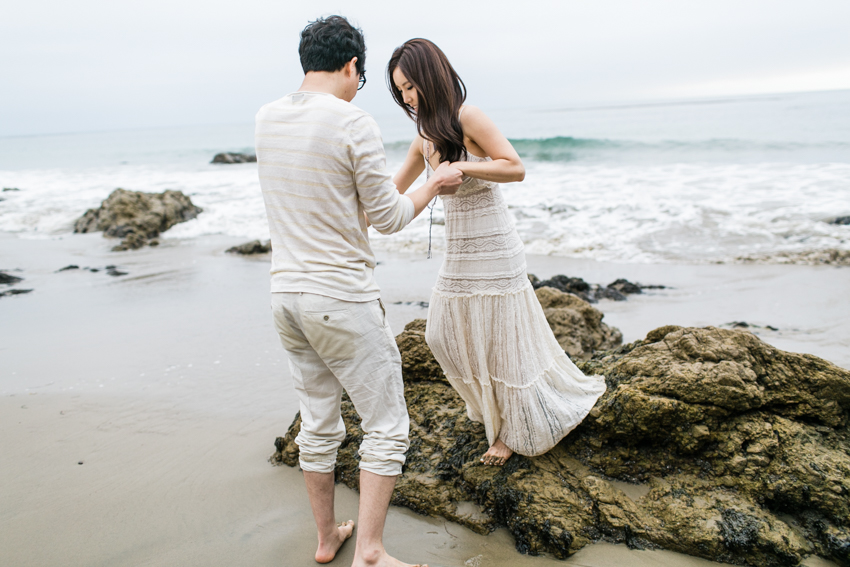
column 447, row 179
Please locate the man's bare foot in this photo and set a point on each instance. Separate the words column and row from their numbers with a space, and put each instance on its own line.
column 328, row 549
column 379, row 558
column 498, row 454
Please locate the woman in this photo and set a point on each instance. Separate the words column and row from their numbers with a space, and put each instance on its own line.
column 485, row 325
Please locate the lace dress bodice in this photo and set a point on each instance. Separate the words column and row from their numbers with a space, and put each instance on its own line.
column 484, row 254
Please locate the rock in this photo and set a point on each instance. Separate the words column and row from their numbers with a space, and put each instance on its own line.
column 416, row 357
column 743, row 450
column 10, row 189
column 577, row 325
column 14, row 292
column 136, row 216
column 616, row 291
column 422, row 304
column 232, row 157
column 828, row 257
column 840, row 220
column 624, row 286
column 9, row 279
column 253, row 247
column 567, row 284
column 68, row 267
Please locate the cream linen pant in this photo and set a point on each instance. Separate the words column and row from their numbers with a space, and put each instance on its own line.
column 334, row 344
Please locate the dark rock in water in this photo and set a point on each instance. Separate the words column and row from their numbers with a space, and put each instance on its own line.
column 753, row 328
column 577, row 325
column 69, row 267
column 9, row 279
column 112, row 271
column 744, row 451
column 600, row 292
column 422, row 304
column 14, row 292
column 253, row 247
column 624, row 286
column 840, row 220
column 10, row 189
column 566, row 283
column 232, row 157
column 616, row 291
column 136, row 216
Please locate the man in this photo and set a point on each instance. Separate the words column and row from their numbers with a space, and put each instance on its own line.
column 322, row 166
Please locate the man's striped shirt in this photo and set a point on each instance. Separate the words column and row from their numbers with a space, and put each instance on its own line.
column 321, row 165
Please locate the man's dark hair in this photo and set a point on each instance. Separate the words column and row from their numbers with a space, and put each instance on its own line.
column 329, row 43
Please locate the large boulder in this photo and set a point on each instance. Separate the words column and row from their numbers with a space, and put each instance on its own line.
column 734, row 451
column 137, row 217
column 577, row 325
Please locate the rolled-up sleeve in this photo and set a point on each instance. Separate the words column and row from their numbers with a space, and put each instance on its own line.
column 388, row 210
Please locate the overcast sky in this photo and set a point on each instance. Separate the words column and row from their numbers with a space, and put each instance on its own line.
column 97, row 65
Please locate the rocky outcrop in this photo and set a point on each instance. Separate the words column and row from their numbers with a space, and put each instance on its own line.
column 577, row 325
column 840, row 220
column 232, row 157
column 253, row 247
column 11, row 292
column 9, row 279
column 617, row 290
column 137, row 217
column 828, row 257
column 742, row 453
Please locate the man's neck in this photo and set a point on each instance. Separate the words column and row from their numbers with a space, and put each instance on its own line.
column 324, row 82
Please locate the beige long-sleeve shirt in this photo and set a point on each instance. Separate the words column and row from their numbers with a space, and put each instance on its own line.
column 321, row 165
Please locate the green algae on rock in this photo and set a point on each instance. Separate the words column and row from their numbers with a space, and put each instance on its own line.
column 744, row 451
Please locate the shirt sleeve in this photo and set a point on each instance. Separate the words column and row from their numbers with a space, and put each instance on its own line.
column 388, row 210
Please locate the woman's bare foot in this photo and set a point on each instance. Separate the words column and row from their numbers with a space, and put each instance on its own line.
column 328, row 549
column 497, row 455
column 379, row 558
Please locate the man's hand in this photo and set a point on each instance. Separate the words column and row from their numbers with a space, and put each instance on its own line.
column 447, row 179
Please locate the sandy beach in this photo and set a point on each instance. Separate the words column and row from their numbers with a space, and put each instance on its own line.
column 138, row 411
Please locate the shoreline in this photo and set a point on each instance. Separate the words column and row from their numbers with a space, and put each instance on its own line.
column 169, row 385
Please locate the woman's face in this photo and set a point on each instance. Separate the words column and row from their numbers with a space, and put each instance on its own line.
column 409, row 94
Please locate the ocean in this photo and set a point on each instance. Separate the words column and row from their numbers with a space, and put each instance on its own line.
column 721, row 180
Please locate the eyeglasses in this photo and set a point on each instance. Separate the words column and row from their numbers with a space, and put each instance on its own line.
column 362, row 80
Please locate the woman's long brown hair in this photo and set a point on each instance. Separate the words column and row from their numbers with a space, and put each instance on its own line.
column 441, row 94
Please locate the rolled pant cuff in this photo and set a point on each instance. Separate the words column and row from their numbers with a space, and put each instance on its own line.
column 317, row 466
column 381, row 468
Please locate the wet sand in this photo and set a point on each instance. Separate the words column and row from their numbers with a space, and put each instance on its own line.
column 169, row 386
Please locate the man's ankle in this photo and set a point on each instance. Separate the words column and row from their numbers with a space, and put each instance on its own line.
column 369, row 554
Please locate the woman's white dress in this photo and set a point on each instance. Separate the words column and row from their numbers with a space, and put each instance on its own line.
column 488, row 332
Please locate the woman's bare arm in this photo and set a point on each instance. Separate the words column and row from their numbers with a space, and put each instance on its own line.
column 506, row 166
column 411, row 168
